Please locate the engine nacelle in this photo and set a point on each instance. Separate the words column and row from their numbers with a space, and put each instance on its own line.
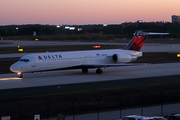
column 123, row 58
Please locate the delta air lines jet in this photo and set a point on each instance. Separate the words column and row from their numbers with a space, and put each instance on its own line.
column 83, row 59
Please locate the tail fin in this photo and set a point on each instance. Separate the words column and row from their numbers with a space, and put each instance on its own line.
column 138, row 40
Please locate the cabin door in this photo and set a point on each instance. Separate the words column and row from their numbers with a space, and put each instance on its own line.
column 33, row 62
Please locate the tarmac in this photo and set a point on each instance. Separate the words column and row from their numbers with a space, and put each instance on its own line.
column 64, row 77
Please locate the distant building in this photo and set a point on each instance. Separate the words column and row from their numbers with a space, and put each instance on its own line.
column 140, row 21
column 175, row 18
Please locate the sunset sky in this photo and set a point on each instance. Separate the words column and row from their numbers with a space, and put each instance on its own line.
column 80, row 12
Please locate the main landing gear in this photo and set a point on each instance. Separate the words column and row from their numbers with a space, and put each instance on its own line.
column 20, row 75
column 98, row 71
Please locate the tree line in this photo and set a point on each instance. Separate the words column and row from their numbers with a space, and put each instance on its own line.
column 118, row 29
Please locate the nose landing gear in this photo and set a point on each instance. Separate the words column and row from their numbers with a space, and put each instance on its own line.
column 20, row 75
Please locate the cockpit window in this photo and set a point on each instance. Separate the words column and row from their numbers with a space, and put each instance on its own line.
column 25, row 60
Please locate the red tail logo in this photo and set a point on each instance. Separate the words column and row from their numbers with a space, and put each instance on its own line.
column 136, row 43
column 39, row 58
column 138, row 40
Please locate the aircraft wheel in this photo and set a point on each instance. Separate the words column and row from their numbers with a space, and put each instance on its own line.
column 20, row 75
column 99, row 71
column 84, row 70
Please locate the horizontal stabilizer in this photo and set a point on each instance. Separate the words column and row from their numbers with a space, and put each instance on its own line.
column 141, row 33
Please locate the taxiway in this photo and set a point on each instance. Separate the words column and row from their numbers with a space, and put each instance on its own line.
column 9, row 81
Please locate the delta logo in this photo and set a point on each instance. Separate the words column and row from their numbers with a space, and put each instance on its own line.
column 39, row 58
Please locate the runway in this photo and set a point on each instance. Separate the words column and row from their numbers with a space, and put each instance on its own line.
column 10, row 81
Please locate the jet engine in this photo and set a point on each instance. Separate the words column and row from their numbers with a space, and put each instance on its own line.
column 124, row 57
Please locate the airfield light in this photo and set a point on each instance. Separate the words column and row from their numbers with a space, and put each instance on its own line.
column 20, row 50
column 36, row 39
column 79, row 29
column 18, row 46
column 178, row 55
column 58, row 26
column 96, row 46
column 72, row 28
column 67, row 27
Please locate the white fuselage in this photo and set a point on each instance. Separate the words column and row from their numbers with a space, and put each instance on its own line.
column 83, row 59
column 61, row 60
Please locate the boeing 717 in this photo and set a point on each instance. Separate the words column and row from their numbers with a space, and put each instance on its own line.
column 84, row 60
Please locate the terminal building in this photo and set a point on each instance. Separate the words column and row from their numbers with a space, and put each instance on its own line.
column 175, row 18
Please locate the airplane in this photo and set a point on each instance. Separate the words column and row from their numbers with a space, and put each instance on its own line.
column 84, row 60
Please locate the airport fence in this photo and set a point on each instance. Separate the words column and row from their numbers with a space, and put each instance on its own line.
column 79, row 103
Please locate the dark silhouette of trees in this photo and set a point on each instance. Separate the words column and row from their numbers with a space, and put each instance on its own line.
column 124, row 30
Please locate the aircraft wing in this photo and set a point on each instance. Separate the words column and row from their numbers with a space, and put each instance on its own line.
column 80, row 66
column 110, row 65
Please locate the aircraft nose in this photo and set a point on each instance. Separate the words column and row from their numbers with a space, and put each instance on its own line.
column 14, row 68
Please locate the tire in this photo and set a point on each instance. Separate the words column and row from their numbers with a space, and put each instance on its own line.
column 99, row 71
column 20, row 76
